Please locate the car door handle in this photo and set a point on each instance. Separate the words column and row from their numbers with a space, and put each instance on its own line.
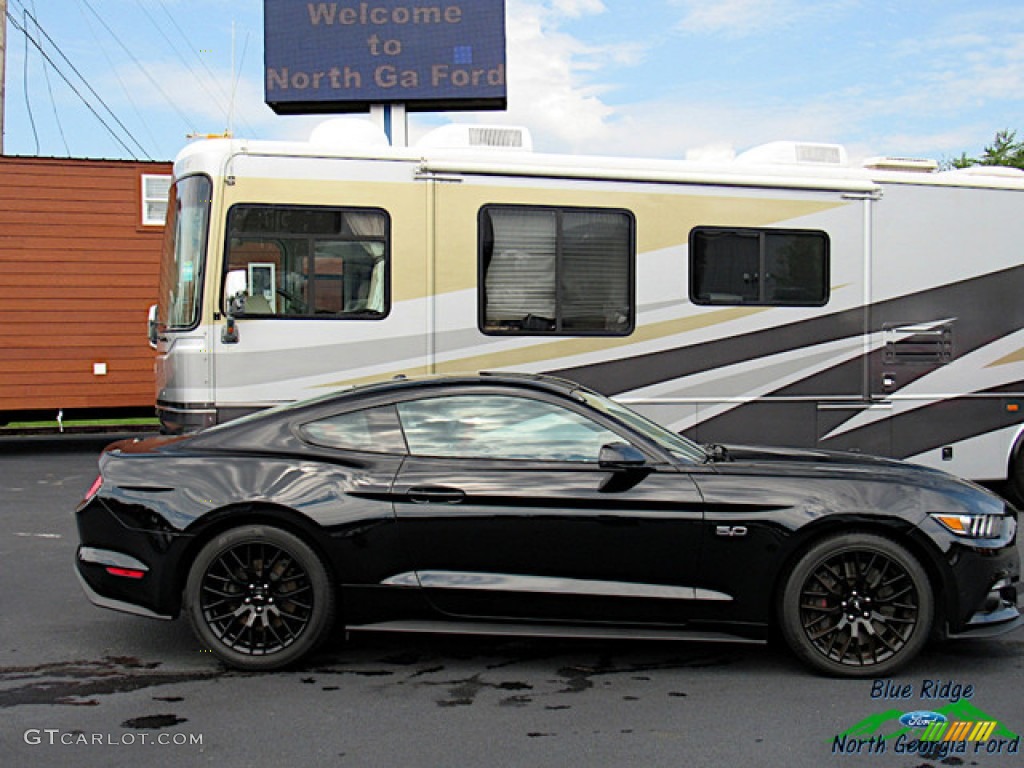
column 435, row 495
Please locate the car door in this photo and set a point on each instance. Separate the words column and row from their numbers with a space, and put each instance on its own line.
column 505, row 512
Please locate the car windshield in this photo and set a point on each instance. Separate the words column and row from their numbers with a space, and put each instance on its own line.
column 677, row 445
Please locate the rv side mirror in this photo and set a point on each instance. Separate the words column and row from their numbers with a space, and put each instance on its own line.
column 153, row 331
column 235, row 286
column 620, row 456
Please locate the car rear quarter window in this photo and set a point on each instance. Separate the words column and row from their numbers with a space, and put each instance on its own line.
column 375, row 430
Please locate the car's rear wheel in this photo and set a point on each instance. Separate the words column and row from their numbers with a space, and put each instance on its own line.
column 259, row 597
column 857, row 605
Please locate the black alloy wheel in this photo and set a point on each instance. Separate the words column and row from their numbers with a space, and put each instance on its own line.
column 259, row 597
column 857, row 605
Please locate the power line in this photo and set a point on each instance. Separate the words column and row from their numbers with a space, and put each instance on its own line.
column 105, row 50
column 181, row 58
column 236, row 76
column 142, row 69
column 87, row 85
column 49, row 90
column 28, row 102
column 70, row 85
column 202, row 61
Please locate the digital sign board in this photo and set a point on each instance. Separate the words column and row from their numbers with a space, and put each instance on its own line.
column 327, row 56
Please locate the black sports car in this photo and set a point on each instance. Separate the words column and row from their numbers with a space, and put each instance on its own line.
column 515, row 504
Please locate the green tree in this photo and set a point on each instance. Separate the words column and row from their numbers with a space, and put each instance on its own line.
column 1004, row 150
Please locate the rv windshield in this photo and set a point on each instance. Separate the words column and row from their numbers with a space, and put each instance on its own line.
column 184, row 254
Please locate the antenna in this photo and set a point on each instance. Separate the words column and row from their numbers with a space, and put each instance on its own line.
column 236, row 75
column 234, row 82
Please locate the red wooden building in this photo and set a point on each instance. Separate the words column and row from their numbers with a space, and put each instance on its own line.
column 80, row 244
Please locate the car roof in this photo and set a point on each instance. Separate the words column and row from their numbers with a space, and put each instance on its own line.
column 398, row 384
column 530, row 380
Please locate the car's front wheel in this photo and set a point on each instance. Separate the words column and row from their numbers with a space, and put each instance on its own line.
column 857, row 605
column 259, row 597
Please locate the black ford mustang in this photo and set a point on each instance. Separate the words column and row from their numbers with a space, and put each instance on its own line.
column 511, row 504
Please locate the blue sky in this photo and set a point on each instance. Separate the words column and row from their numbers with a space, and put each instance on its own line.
column 661, row 78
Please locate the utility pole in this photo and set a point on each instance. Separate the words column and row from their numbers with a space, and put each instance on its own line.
column 3, row 68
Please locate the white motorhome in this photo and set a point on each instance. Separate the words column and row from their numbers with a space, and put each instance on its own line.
column 784, row 297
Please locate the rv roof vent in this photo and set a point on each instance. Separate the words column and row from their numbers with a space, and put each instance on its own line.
column 348, row 132
column 920, row 164
column 463, row 136
column 795, row 153
column 1002, row 171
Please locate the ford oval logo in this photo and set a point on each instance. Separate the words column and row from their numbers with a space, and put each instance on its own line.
column 921, row 719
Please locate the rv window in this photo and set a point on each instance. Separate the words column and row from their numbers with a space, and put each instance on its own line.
column 310, row 262
column 759, row 266
column 563, row 271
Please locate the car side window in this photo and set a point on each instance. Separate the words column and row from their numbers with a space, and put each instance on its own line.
column 500, row 427
column 375, row 430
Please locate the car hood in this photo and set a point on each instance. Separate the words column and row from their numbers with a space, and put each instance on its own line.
column 835, row 464
column 759, row 453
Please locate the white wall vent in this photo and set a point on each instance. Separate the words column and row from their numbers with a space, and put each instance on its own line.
column 917, row 164
column 466, row 136
column 795, row 153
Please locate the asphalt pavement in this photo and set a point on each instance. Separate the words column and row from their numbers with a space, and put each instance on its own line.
column 82, row 686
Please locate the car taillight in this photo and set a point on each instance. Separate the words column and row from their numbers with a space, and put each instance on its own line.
column 93, row 489
column 127, row 573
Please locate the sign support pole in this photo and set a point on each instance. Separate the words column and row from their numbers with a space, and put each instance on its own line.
column 393, row 120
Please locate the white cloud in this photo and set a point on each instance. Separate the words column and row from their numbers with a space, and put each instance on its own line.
column 577, row 8
column 735, row 18
column 703, row 130
column 554, row 78
column 547, row 89
column 194, row 100
column 742, row 18
column 970, row 56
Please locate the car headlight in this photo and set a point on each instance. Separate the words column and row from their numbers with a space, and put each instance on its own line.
column 972, row 526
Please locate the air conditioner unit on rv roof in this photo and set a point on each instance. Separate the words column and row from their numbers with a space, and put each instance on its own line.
column 795, row 153
column 920, row 164
column 470, row 136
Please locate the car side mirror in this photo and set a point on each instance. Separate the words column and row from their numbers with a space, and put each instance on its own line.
column 621, row 456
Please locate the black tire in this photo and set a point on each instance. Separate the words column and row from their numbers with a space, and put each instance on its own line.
column 259, row 597
column 857, row 605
